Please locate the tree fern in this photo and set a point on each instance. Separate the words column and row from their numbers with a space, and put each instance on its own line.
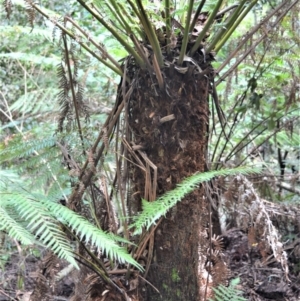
column 152, row 211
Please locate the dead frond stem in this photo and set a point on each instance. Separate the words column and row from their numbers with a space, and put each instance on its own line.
column 141, row 51
column 158, row 72
column 72, row 84
column 7, row 6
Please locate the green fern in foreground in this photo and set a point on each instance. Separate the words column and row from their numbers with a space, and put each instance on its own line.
column 32, row 218
column 152, row 211
column 230, row 293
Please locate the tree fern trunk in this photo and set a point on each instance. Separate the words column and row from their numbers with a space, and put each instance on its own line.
column 177, row 147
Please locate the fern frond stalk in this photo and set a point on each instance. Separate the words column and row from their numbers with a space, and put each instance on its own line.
column 197, row 13
column 82, row 44
column 90, row 39
column 207, row 25
column 112, row 30
column 250, row 34
column 186, row 33
column 228, row 25
column 150, row 33
column 233, row 24
column 168, row 24
column 67, row 61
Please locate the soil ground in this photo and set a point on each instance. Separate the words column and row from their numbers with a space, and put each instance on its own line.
column 259, row 280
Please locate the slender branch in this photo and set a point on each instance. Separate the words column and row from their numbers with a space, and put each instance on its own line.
column 129, row 17
column 288, row 187
column 119, row 15
column 235, row 118
column 82, row 44
column 226, row 9
column 251, row 140
column 89, row 38
column 109, row 124
column 216, row 147
column 141, row 51
column 134, row 8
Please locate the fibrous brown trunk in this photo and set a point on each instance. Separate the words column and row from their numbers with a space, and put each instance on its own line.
column 170, row 125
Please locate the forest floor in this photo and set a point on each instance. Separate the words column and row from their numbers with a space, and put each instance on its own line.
column 262, row 278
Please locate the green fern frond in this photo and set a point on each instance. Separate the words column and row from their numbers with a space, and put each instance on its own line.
column 152, row 211
column 89, row 233
column 19, row 148
column 230, row 293
column 25, row 218
column 31, row 58
column 13, row 228
column 39, row 222
column 37, row 33
column 41, row 217
column 36, row 101
column 37, row 162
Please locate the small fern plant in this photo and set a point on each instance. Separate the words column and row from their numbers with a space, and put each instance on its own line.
column 230, row 293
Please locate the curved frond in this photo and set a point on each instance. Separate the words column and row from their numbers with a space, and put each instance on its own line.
column 13, row 228
column 20, row 148
column 154, row 210
column 89, row 233
column 38, row 221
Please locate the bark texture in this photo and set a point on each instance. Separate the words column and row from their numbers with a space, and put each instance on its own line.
column 177, row 148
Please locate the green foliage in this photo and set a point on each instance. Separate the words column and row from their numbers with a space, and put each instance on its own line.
column 28, row 217
column 230, row 293
column 258, row 97
column 152, row 211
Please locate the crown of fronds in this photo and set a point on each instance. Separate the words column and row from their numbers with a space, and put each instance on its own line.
column 152, row 211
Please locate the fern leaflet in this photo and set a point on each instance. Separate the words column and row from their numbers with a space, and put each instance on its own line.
column 152, row 211
column 230, row 293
